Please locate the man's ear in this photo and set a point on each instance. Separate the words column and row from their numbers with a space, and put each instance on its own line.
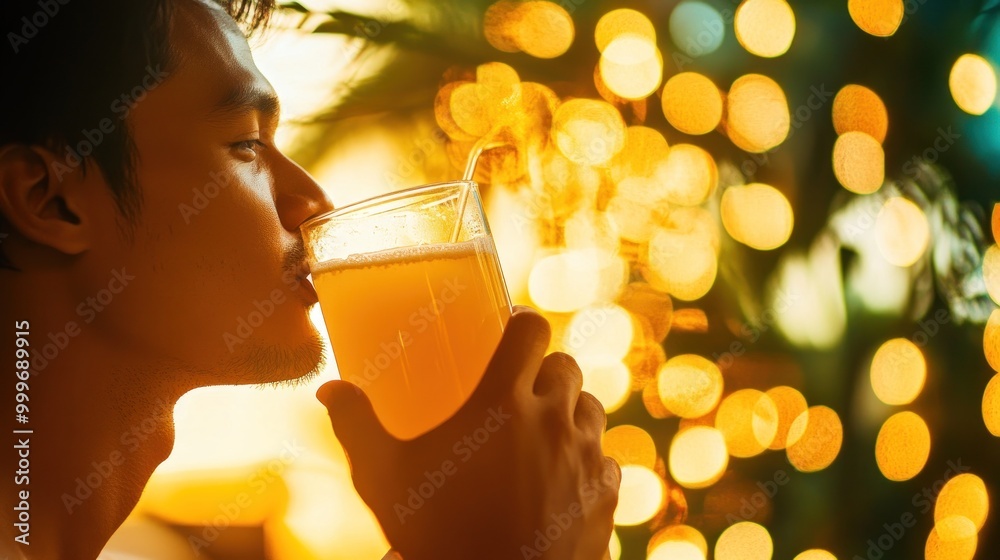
column 40, row 207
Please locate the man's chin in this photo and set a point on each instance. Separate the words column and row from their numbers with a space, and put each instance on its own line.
column 284, row 364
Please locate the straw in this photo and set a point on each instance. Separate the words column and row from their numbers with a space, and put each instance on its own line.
column 487, row 142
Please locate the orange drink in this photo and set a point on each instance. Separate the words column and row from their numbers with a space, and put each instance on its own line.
column 413, row 325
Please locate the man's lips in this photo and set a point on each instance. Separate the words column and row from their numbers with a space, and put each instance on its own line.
column 302, row 278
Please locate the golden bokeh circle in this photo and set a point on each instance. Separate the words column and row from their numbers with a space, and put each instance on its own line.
column 898, row 372
column 963, row 495
column 765, row 27
column 991, row 405
column 757, row 113
column 744, row 541
column 544, row 29
column 748, row 419
column 859, row 162
column 630, row 445
column 880, row 18
column 689, row 175
column 952, row 538
column 815, row 554
column 991, row 340
column 790, row 404
column 620, row 22
column 818, row 434
column 859, row 109
column 903, row 446
column 757, row 215
column 692, row 103
column 973, row 84
column 689, row 386
column 640, row 496
column 698, row 457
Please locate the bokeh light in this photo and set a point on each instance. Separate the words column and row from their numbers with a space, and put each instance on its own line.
column 859, row 162
column 698, row 457
column 815, row 554
column 676, row 550
column 903, row 446
column 965, row 495
column 688, row 175
column 588, row 132
column 902, row 232
column 630, row 445
column 641, row 495
column 859, row 109
column 689, row 386
column 645, row 150
column 623, row 22
column 880, row 18
column 991, row 405
column 898, row 372
column 599, row 332
column 818, row 434
column 757, row 215
column 696, row 28
column 540, row 29
column 765, row 27
column 682, row 263
column 631, row 66
column 991, row 340
column 790, row 404
column 744, row 541
column 679, row 533
column 758, row 117
column 692, row 103
column 952, row 538
column 544, row 29
column 991, row 272
column 748, row 419
column 973, row 84
column 607, row 379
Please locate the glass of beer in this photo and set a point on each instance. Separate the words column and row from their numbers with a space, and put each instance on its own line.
column 413, row 299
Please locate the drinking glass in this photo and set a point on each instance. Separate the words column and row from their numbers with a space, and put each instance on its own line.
column 413, row 299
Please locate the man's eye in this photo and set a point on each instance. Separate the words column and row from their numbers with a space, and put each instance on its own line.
column 248, row 148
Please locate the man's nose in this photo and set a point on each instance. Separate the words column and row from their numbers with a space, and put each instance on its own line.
column 299, row 197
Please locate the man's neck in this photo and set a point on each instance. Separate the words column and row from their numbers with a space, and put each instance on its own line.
column 95, row 431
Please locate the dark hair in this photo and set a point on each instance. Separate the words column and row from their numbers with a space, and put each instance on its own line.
column 66, row 65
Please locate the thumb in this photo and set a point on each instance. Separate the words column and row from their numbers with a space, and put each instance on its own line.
column 354, row 421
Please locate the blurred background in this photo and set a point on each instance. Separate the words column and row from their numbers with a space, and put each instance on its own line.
column 765, row 229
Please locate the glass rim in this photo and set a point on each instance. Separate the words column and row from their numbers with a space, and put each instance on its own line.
column 383, row 198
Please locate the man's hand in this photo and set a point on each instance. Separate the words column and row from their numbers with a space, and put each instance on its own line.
column 517, row 473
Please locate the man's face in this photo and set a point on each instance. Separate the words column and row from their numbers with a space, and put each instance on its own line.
column 218, row 285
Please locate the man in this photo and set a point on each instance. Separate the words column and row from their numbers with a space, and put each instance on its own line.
column 145, row 210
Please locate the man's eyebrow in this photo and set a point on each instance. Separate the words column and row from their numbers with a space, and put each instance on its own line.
column 245, row 98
